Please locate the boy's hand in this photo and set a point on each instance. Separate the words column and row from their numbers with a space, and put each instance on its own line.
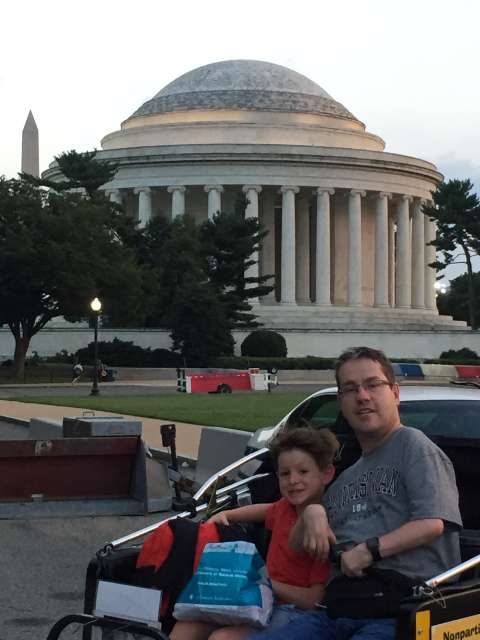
column 317, row 536
column 220, row 518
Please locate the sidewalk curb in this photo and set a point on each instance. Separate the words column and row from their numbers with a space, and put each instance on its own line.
column 13, row 420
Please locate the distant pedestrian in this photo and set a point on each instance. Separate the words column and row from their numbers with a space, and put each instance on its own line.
column 102, row 371
column 77, row 372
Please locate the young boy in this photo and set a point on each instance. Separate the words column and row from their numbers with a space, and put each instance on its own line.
column 304, row 462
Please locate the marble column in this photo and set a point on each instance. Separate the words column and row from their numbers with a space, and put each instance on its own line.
column 418, row 256
column 214, row 198
column 380, row 298
column 391, row 260
column 251, row 192
column 430, row 230
column 403, row 274
column 144, row 206
column 288, row 245
column 267, row 253
column 115, row 196
column 354, row 279
column 178, row 200
column 322, row 248
column 302, row 253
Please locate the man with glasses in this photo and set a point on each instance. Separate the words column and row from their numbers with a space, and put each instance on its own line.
column 395, row 508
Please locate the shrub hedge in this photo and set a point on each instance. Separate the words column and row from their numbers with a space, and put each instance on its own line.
column 264, row 344
column 120, row 353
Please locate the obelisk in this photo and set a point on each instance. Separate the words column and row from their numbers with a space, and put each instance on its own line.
column 30, row 162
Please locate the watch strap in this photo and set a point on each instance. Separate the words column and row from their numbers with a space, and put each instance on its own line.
column 373, row 546
column 335, row 555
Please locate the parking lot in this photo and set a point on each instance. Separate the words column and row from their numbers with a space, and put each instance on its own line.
column 44, row 565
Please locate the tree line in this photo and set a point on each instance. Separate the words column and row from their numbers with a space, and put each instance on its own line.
column 64, row 243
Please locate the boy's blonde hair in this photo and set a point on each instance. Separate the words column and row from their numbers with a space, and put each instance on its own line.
column 321, row 444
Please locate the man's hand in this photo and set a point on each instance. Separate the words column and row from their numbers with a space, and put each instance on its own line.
column 317, row 535
column 355, row 560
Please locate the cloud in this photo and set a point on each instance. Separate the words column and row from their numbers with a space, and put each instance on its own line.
column 461, row 168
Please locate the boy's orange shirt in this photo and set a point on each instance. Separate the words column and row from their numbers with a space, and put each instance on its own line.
column 284, row 564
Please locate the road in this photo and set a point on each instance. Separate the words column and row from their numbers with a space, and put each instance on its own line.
column 43, row 568
column 124, row 389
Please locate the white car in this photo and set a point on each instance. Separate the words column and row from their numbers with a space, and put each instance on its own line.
column 439, row 411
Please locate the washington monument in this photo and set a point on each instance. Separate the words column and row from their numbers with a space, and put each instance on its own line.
column 30, row 163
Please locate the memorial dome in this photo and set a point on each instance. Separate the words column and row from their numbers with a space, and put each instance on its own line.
column 243, row 84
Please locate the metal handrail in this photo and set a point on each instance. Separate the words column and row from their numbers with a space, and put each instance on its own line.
column 226, row 470
column 242, row 485
column 454, row 572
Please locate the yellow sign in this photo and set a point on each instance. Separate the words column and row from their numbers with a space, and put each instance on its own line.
column 422, row 625
column 460, row 629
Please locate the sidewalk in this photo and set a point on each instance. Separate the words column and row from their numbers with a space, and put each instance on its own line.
column 188, row 435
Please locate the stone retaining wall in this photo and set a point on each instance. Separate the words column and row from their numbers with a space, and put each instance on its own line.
column 329, row 343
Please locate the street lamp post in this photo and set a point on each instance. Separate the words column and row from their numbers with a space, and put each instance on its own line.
column 96, row 307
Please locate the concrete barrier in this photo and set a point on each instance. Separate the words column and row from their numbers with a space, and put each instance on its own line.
column 446, row 371
column 468, row 370
column 408, row 370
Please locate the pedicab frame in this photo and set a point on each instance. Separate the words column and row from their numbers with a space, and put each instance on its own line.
column 437, row 610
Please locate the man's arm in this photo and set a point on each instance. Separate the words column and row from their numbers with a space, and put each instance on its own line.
column 312, row 532
column 410, row 535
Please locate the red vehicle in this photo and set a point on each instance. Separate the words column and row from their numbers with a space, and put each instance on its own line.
column 223, row 380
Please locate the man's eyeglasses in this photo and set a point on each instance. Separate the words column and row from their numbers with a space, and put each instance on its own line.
column 371, row 386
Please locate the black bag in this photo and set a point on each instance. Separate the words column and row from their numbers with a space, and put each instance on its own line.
column 375, row 595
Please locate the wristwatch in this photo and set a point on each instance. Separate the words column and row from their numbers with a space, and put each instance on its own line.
column 335, row 554
column 373, row 546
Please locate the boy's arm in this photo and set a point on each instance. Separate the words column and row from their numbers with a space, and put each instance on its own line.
column 249, row 513
column 312, row 532
column 301, row 597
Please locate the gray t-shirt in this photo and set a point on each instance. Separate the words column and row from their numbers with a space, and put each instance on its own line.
column 407, row 478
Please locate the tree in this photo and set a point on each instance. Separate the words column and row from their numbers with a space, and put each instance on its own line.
column 228, row 241
column 194, row 280
column 178, row 293
column 58, row 251
column 201, row 330
column 81, row 170
column 455, row 302
column 457, row 213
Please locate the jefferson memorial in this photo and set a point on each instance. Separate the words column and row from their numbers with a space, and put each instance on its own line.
column 347, row 239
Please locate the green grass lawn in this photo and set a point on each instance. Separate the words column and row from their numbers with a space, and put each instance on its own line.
column 248, row 411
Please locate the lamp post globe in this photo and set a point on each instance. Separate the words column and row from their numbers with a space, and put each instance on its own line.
column 96, row 307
